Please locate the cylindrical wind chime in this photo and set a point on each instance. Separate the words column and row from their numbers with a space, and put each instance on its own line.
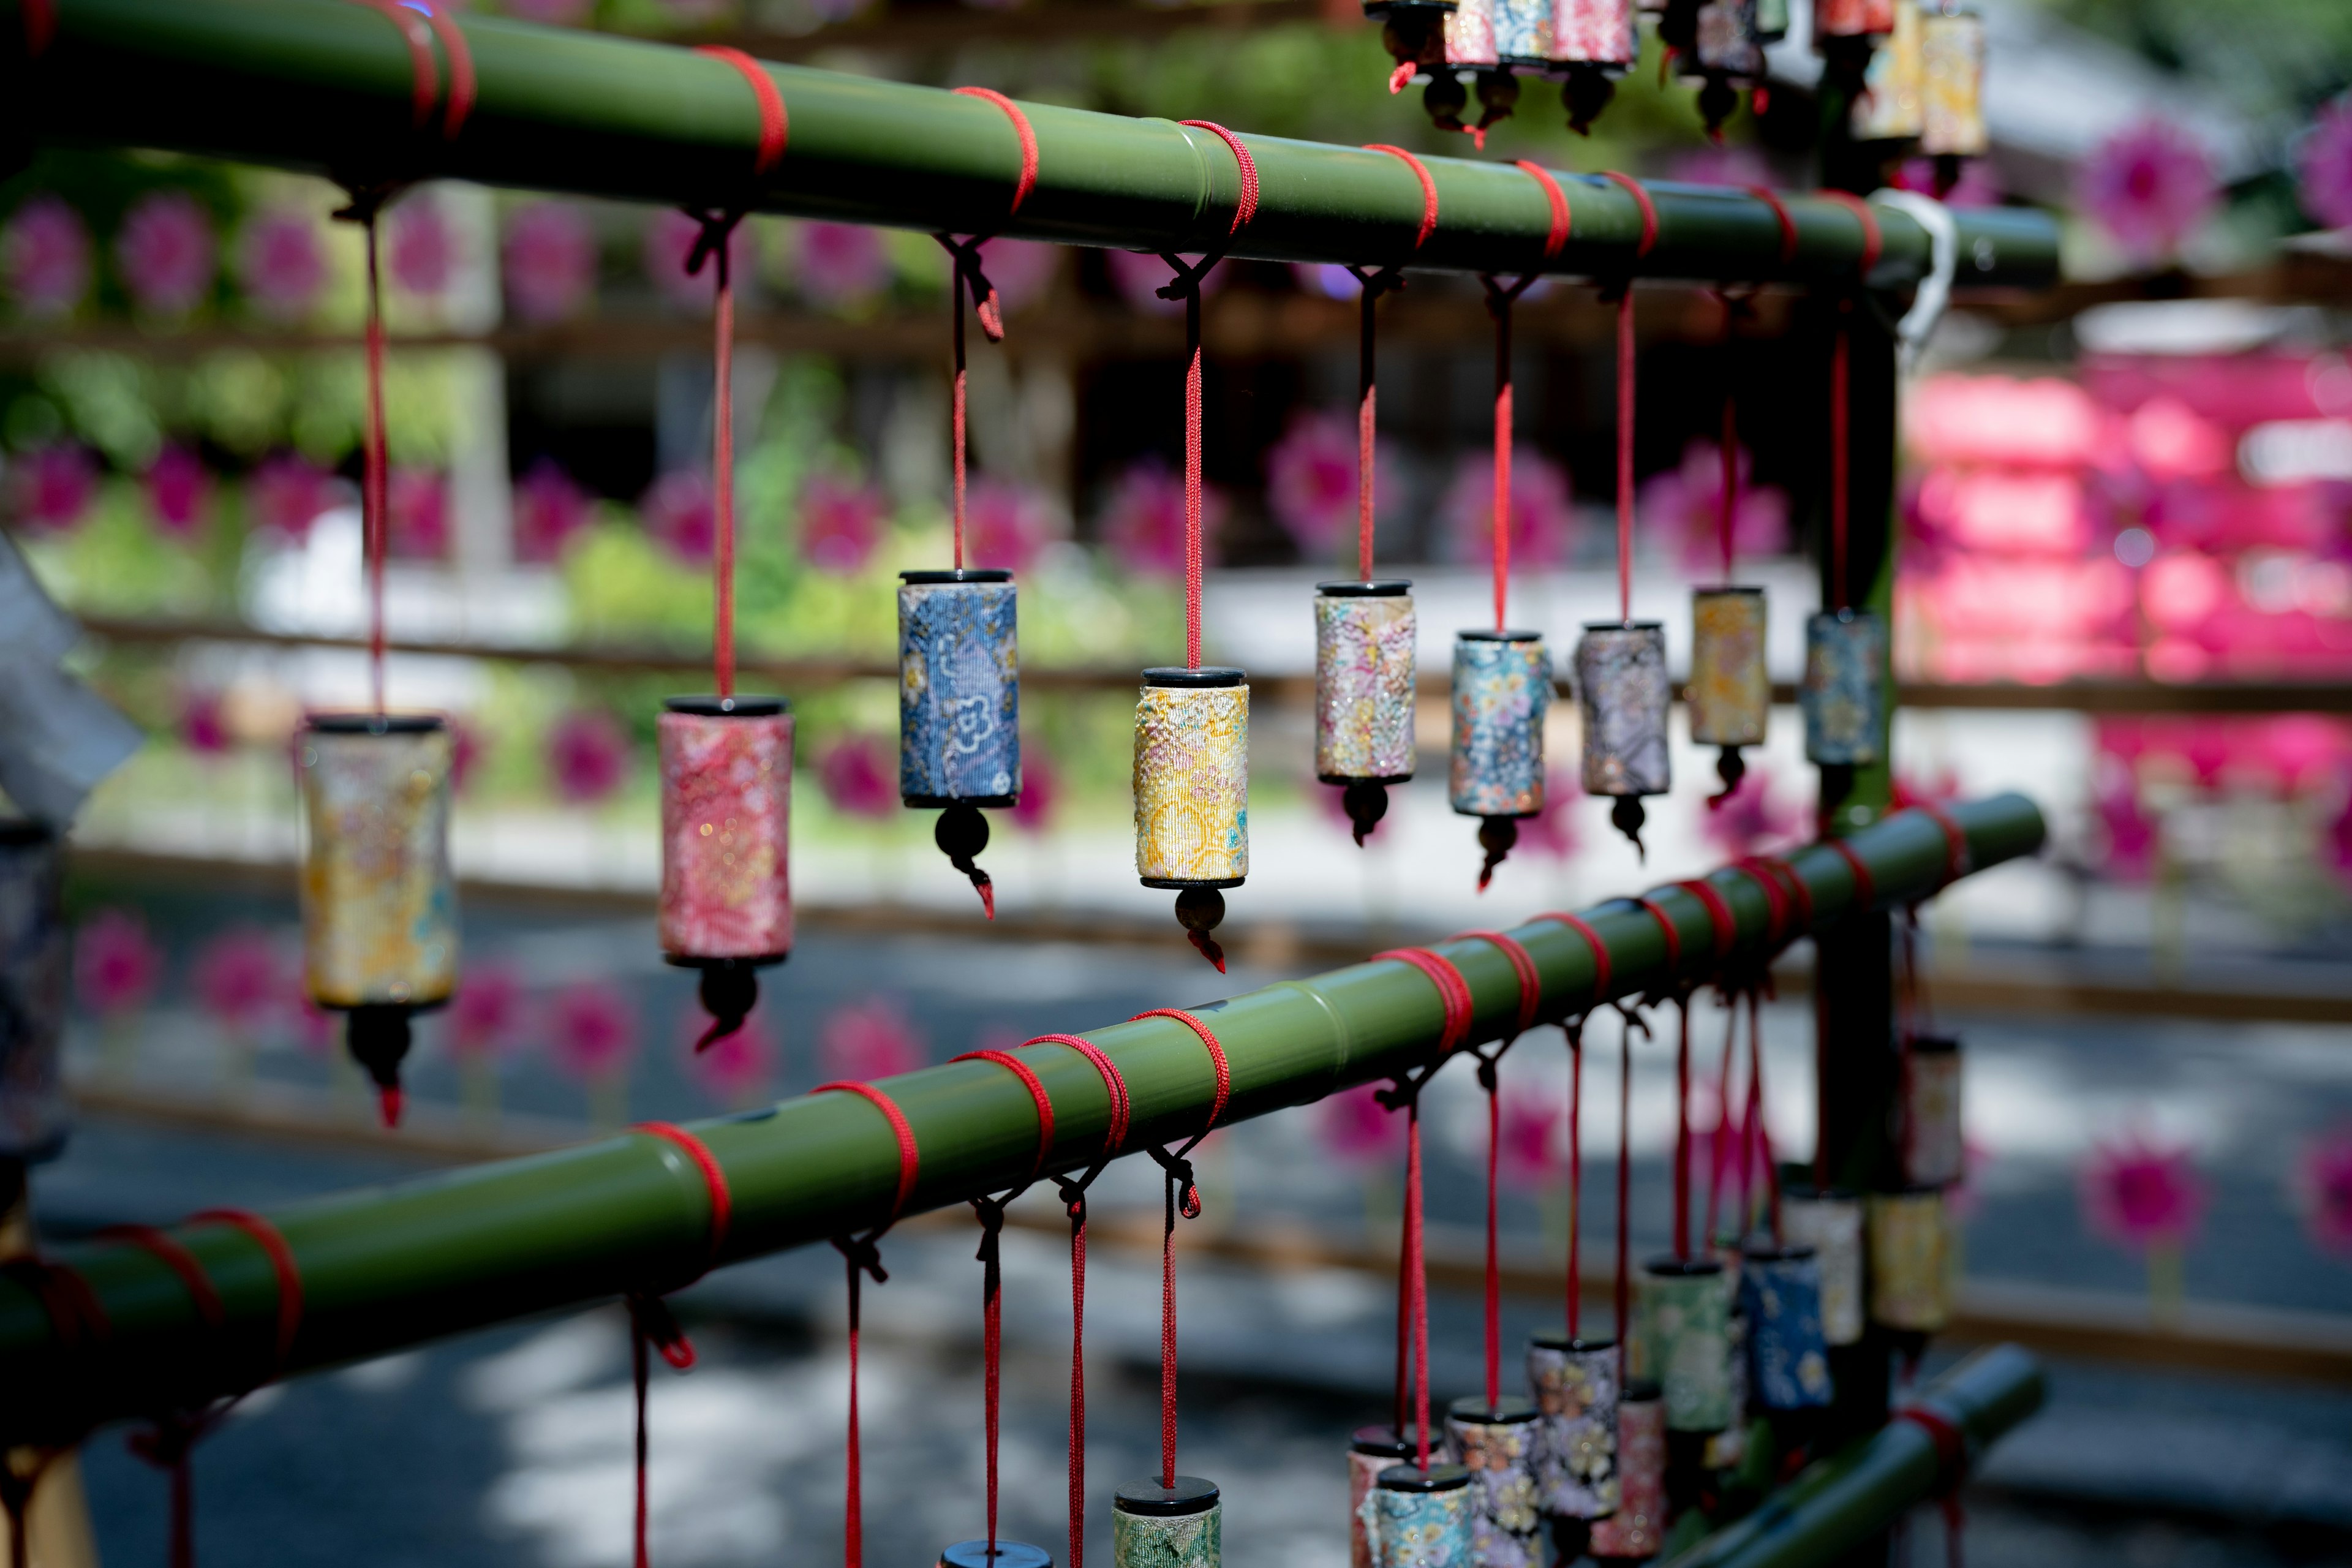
column 379, row 900
column 958, row 629
column 1910, row 1262
column 1935, row 1152
column 1586, row 44
column 1951, row 92
column 1725, row 52
column 1844, row 691
column 1830, row 1221
column 1638, row 1529
column 1191, row 723
column 725, row 907
column 1780, row 1297
column 1889, row 107
column 1621, row 665
column 34, row 1112
column 1593, row 42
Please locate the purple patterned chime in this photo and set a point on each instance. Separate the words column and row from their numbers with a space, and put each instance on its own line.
column 1593, row 42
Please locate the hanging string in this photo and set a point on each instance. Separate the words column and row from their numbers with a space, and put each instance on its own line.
column 860, row 1257
column 1184, row 1197
column 1951, row 1472
column 1374, row 284
column 1841, row 376
column 1574, row 1031
column 1530, row 998
column 1719, row 1143
column 650, row 1321
column 1625, row 400
column 1186, row 286
column 1756, row 1123
column 1499, row 301
column 1675, row 991
column 1074, row 1201
column 966, row 276
column 1624, row 1283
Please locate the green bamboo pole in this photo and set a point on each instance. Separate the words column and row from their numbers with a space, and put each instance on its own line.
column 1837, row 1506
column 324, row 86
column 390, row 1266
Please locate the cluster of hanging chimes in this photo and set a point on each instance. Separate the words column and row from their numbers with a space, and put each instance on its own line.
column 960, row 705
column 1586, row 44
column 379, row 903
column 725, row 907
column 1364, row 672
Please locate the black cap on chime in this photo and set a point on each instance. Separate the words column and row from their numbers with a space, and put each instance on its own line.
column 1008, row 1554
column 1190, row 1494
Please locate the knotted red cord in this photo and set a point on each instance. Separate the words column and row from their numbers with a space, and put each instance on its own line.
column 1625, row 404
column 1499, row 301
column 1771, row 198
column 965, row 277
column 460, row 101
column 1374, row 284
column 1841, row 398
column 860, row 1257
column 1186, row 286
column 1179, row 1181
column 1951, row 1471
column 1865, row 891
column 1776, row 900
column 650, row 1322
column 1955, row 840
column 1801, row 897
column 1530, row 983
column 1583, row 928
column 424, row 74
column 168, row 1442
column 1073, row 1200
column 1523, row 969
column 1453, row 991
column 1723, row 926
column 1037, row 1097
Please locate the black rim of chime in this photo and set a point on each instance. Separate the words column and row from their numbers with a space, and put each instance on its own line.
column 1380, row 1443
column 1189, row 1495
column 1619, row 626
column 1504, row 636
column 1472, row 1410
column 741, row 706
column 1376, row 588
column 1438, row 1477
column 1553, row 1340
column 1209, row 676
column 1770, row 1252
column 1671, row 1267
column 346, row 723
column 953, row 574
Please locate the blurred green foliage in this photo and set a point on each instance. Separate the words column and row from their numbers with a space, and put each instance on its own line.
column 2277, row 59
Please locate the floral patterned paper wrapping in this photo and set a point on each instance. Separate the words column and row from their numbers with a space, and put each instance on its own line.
column 1576, row 1425
column 1933, row 1152
column 1505, row 1526
column 1638, row 1528
column 1910, row 1262
column 379, row 907
column 1192, row 784
column 1470, row 32
column 1893, row 85
column 1730, row 687
column 1523, row 31
column 1844, row 692
column 1502, row 689
column 1771, row 20
column 1726, row 38
column 1371, row 1450
column 1787, row 1361
column 1951, row 70
column 726, row 805
column 34, row 1115
column 1363, row 686
column 1167, row 1541
column 1726, row 1449
column 959, row 690
column 1418, row 1529
column 1682, row 1339
column 1852, row 18
column 1831, row 1226
column 1595, row 32
column 1621, row 680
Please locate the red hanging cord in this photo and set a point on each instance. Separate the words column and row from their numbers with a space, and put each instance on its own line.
column 1955, row 840
column 860, row 1258
column 1625, row 404
column 77, row 1320
column 650, row 1322
column 1575, row 1033
column 168, row 1443
column 1499, row 301
column 1453, row 991
column 423, row 74
column 1719, row 1143
column 1073, row 1200
column 1184, row 1197
column 40, row 27
column 1624, row 1286
column 1865, row 891
column 1951, row 1471
column 1583, row 928
column 1681, row 997
column 966, row 276
column 1755, row 1122
column 1186, row 286
column 1841, row 377
column 1530, row 985
column 1374, row 284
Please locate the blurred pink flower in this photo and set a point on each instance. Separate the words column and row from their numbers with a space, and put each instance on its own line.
column 839, row 264
column 417, row 503
column 2127, row 834
column 670, row 241
column 1021, row 270
column 549, row 508
column 204, row 726
column 165, row 253
column 421, row 251
column 115, row 964
column 464, row 752
column 840, row 523
column 2324, row 165
column 1541, row 517
column 1142, row 522
column 1976, row 187
column 287, row 492
column 2324, row 1180
column 1755, row 820
column 179, row 491
column 736, row 1068
column 1139, row 277
column 1005, row 525
column 1687, row 503
column 682, row 512
column 1720, row 166
column 1552, row 832
column 238, row 980
column 45, row 258
column 1041, row 787
column 281, row 264
column 315, row 1028
column 2139, row 1196
column 862, row 1041
column 2148, row 186
column 550, row 261
column 587, row 755
column 52, row 487
column 860, row 776
column 486, row 1015
column 1358, row 1130
column 1910, row 787
column 592, row 1030
column 1526, row 1156
column 1310, row 481
column 2337, row 842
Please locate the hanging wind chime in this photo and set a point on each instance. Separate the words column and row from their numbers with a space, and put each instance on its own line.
column 1637, row 1529
column 1191, row 723
column 1502, row 679
column 1725, row 54
column 1593, row 42
column 1951, row 91
column 1842, row 693
column 959, row 644
column 1890, row 107
column 1620, row 666
column 725, row 907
